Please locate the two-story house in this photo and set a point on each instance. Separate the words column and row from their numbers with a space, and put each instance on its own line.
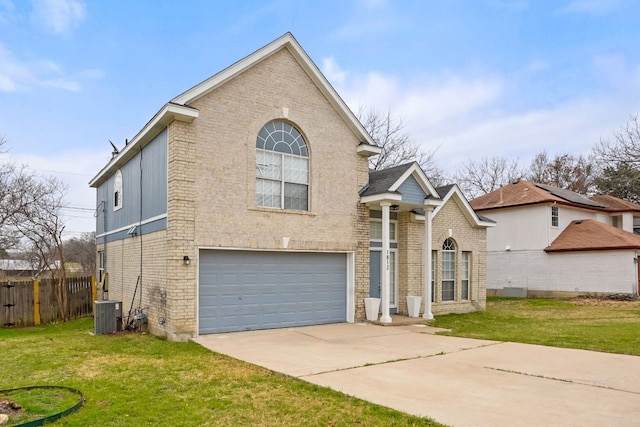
column 554, row 242
column 247, row 202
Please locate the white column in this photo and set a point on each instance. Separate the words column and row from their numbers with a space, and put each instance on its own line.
column 386, row 259
column 428, row 220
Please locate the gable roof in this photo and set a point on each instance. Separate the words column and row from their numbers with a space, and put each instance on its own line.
column 527, row 193
column 592, row 235
column 385, row 183
column 452, row 191
column 179, row 109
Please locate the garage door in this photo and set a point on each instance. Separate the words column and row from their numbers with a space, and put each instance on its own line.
column 246, row 290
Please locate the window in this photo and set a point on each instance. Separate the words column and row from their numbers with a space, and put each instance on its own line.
column 433, row 275
column 375, row 230
column 465, row 275
column 448, row 270
column 117, row 191
column 282, row 167
column 554, row 216
column 392, row 278
column 101, row 266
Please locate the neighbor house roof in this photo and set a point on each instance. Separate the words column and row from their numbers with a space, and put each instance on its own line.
column 526, row 193
column 614, row 204
column 592, row 235
column 179, row 109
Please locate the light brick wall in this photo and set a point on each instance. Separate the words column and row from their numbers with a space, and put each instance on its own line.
column 410, row 259
column 467, row 238
column 211, row 191
column 230, row 119
column 181, row 292
column 139, row 256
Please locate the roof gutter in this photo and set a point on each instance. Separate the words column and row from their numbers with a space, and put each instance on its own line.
column 161, row 120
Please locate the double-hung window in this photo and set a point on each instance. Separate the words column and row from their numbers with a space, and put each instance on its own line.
column 448, row 270
column 465, row 275
column 554, row 216
column 282, row 167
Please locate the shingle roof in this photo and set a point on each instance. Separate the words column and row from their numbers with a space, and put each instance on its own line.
column 570, row 196
column 516, row 194
column 591, row 235
column 381, row 181
column 444, row 190
column 527, row 192
column 613, row 204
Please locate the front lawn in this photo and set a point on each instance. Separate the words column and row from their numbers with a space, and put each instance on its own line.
column 589, row 324
column 141, row 380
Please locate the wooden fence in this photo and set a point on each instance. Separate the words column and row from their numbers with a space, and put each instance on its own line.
column 31, row 302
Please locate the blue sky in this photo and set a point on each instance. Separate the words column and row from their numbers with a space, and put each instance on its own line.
column 471, row 78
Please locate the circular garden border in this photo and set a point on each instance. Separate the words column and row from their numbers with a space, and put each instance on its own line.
column 53, row 417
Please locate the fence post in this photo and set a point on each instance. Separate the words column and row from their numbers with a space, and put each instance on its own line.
column 94, row 294
column 36, row 302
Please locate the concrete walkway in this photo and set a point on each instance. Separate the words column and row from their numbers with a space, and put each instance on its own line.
column 456, row 381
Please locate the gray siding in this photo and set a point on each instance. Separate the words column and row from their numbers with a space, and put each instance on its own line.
column 412, row 192
column 144, row 193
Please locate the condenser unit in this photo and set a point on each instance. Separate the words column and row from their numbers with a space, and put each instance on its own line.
column 108, row 317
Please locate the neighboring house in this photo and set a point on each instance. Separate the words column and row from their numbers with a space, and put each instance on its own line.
column 554, row 242
column 16, row 268
column 247, row 203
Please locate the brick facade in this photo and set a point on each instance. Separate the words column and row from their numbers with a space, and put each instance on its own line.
column 211, row 192
column 467, row 239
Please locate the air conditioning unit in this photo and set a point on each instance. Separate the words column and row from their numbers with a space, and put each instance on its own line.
column 108, row 317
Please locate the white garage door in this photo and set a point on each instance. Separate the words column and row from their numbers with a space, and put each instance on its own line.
column 247, row 290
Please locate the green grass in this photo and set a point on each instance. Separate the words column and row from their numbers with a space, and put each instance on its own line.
column 141, row 380
column 39, row 403
column 600, row 325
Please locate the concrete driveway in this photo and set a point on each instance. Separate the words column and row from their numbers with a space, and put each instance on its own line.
column 456, row 381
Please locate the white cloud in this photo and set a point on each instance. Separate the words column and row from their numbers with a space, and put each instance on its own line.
column 332, row 71
column 468, row 117
column 18, row 75
column 58, row 16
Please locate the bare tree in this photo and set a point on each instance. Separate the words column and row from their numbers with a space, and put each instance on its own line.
column 575, row 173
column 41, row 223
column 618, row 162
column 476, row 178
column 15, row 186
column 623, row 148
column 388, row 132
column 82, row 250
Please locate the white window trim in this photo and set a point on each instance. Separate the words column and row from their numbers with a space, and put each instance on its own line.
column 557, row 216
column 117, row 190
column 391, row 221
column 469, row 257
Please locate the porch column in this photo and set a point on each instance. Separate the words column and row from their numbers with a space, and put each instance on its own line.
column 384, row 291
column 428, row 217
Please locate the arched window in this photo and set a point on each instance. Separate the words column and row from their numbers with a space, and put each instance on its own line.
column 282, row 167
column 448, row 270
column 117, row 191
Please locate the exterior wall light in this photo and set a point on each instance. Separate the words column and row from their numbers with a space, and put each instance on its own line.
column 186, row 260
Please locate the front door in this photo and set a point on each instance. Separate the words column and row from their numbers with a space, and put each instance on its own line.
column 375, row 277
column 375, row 271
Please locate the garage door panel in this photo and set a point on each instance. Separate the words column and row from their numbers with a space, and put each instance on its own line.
column 244, row 290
